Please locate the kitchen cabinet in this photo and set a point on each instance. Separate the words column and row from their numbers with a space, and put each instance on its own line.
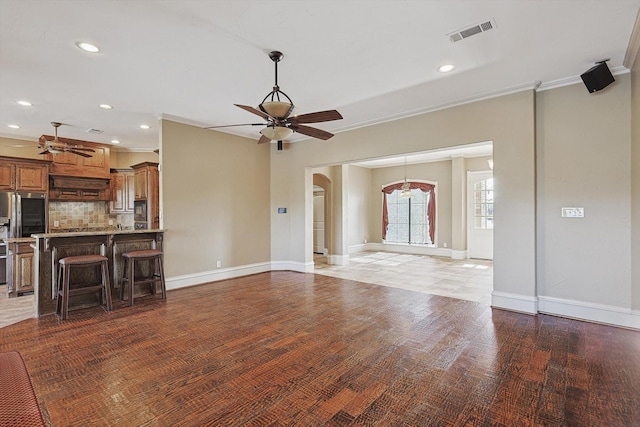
column 122, row 190
column 20, row 271
column 24, row 174
column 69, row 164
column 79, row 189
column 146, row 189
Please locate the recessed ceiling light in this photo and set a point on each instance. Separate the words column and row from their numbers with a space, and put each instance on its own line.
column 145, row 127
column 106, row 107
column 14, row 126
column 25, row 103
column 115, row 141
column 88, row 47
column 446, row 68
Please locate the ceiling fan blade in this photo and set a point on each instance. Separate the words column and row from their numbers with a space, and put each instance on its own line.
column 254, row 111
column 82, row 149
column 228, row 126
column 79, row 153
column 263, row 140
column 317, row 117
column 313, row 132
column 45, row 152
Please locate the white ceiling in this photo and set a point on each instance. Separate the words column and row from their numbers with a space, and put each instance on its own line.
column 372, row 60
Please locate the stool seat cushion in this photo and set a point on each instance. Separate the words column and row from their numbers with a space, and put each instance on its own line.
column 142, row 254
column 82, row 259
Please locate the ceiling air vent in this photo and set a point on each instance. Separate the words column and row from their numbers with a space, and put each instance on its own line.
column 472, row 30
column 96, row 131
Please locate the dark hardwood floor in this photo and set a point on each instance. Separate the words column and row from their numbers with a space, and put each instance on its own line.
column 287, row 348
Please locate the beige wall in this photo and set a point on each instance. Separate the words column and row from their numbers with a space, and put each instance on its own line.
column 125, row 159
column 19, row 148
column 215, row 192
column 359, row 205
column 583, row 148
column 635, row 180
column 508, row 121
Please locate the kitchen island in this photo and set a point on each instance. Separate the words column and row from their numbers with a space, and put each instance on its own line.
column 51, row 247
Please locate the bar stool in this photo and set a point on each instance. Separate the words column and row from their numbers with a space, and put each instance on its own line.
column 157, row 272
column 65, row 265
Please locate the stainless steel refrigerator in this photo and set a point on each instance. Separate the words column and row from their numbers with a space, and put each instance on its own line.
column 21, row 215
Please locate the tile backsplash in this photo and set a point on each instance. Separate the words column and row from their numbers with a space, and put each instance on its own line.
column 74, row 215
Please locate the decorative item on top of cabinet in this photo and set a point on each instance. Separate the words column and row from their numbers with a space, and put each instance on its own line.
column 122, row 190
column 146, row 186
column 69, row 164
column 24, row 174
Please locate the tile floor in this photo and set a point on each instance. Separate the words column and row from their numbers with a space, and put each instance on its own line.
column 469, row 279
column 13, row 310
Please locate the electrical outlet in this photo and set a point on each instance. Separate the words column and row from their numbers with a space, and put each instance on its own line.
column 110, row 222
column 218, row 264
column 56, row 223
column 445, row 244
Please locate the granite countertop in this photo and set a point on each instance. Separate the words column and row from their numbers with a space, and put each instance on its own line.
column 20, row 240
column 94, row 233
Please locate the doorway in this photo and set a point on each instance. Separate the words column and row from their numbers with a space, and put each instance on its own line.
column 480, row 221
column 319, row 246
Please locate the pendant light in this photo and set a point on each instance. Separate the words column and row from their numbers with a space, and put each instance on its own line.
column 406, row 187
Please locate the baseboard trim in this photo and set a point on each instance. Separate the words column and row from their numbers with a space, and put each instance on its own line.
column 514, row 302
column 405, row 249
column 300, row 267
column 338, row 259
column 186, row 280
column 598, row 313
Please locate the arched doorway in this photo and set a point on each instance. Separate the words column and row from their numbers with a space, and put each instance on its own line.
column 323, row 223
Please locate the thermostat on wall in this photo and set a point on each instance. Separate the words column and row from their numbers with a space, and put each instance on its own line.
column 282, row 210
column 573, row 212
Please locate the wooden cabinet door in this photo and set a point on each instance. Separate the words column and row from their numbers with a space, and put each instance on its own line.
column 118, row 189
column 140, row 184
column 7, row 176
column 24, row 272
column 31, row 178
column 129, row 194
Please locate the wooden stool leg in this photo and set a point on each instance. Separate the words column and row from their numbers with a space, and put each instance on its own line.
column 124, row 278
column 105, row 284
column 162, row 283
column 132, row 264
column 152, row 268
column 66, row 273
column 59, row 291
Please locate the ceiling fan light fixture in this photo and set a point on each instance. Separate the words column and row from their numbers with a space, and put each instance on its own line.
column 277, row 133
column 277, row 109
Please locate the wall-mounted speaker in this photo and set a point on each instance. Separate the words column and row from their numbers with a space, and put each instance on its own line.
column 598, row 77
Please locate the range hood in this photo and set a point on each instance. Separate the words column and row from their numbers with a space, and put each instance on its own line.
column 73, row 188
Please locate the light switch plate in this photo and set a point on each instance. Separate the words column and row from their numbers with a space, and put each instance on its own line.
column 573, row 212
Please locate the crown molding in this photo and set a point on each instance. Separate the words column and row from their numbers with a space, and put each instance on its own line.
column 634, row 45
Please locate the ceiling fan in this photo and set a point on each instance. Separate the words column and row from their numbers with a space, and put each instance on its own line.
column 276, row 109
column 58, row 146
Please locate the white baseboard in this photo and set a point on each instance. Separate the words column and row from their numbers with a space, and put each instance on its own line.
column 300, row 267
column 338, row 259
column 404, row 249
column 178, row 282
column 455, row 254
column 514, row 302
column 598, row 313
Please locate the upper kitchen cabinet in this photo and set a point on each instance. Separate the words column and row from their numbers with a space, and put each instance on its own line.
column 18, row 174
column 70, row 164
column 122, row 190
column 146, row 186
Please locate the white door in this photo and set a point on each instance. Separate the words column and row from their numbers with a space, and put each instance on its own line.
column 480, row 214
column 318, row 221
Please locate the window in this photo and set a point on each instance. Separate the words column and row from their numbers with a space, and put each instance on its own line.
column 483, row 204
column 409, row 220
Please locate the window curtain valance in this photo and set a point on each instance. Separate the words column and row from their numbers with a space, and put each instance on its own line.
column 431, row 206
